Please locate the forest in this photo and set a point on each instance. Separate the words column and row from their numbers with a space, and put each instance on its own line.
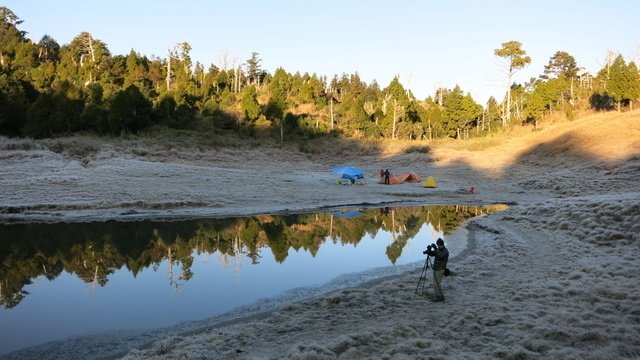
column 49, row 90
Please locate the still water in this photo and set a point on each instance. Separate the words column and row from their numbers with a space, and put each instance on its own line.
column 61, row 280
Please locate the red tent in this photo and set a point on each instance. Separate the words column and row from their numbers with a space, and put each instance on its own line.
column 402, row 178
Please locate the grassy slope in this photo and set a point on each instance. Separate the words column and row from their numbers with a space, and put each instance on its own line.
column 609, row 137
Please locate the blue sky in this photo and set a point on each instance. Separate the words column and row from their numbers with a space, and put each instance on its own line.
column 429, row 44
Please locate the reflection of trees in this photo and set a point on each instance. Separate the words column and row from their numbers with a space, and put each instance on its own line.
column 92, row 263
column 277, row 240
column 94, row 251
column 410, row 226
column 20, row 266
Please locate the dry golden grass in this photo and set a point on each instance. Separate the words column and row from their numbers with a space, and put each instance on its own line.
column 594, row 136
column 610, row 136
column 309, row 109
column 607, row 137
column 603, row 136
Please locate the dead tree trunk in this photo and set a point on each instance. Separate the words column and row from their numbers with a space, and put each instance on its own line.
column 282, row 131
column 571, row 101
column 237, row 90
column 395, row 118
column 507, row 115
column 93, row 54
column 331, row 111
column 169, row 70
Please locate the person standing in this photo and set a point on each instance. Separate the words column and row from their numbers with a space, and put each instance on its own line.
column 441, row 257
column 386, row 176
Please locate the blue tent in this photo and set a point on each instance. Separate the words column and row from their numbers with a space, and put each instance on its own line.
column 349, row 172
column 348, row 214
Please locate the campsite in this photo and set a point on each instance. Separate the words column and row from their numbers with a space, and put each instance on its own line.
column 409, row 176
column 352, row 175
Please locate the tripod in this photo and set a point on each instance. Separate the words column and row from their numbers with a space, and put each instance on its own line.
column 423, row 278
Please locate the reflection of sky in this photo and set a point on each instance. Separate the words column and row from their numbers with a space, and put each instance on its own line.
column 68, row 306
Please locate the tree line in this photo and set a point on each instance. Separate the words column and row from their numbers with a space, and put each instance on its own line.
column 48, row 89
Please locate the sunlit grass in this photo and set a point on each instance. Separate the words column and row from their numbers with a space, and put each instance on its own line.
column 597, row 135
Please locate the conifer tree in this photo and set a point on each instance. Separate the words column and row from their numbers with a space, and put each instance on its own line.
column 433, row 118
column 13, row 105
column 561, row 65
column 48, row 56
column 394, row 104
column 634, row 83
column 130, row 111
column 249, row 102
column 563, row 70
column 459, row 111
column 48, row 49
column 279, row 87
column 516, row 59
column 491, row 115
column 254, row 72
column 55, row 112
column 623, row 83
column 17, row 53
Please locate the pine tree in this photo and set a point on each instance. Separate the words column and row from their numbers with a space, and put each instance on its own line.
column 516, row 59
column 394, row 105
column 13, row 105
column 561, row 65
column 249, row 103
column 130, row 111
column 254, row 73
column 48, row 56
column 459, row 111
column 492, row 114
column 279, row 87
column 563, row 70
column 634, row 83
column 623, row 82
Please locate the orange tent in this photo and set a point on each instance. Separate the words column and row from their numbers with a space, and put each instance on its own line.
column 402, row 178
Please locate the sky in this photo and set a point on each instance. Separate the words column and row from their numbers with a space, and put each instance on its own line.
column 428, row 44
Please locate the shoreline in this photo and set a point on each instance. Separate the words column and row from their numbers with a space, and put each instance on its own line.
column 141, row 214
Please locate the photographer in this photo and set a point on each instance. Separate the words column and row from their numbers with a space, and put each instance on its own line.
column 441, row 255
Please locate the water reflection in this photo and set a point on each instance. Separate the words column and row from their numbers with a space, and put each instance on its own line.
column 94, row 251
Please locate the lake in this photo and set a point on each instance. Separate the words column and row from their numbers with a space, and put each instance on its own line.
column 68, row 279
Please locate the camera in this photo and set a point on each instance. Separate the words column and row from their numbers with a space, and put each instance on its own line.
column 430, row 248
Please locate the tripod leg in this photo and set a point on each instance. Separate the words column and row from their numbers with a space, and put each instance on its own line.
column 426, row 271
column 423, row 279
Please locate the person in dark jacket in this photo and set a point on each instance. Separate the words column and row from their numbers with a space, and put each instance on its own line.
column 386, row 176
column 441, row 257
